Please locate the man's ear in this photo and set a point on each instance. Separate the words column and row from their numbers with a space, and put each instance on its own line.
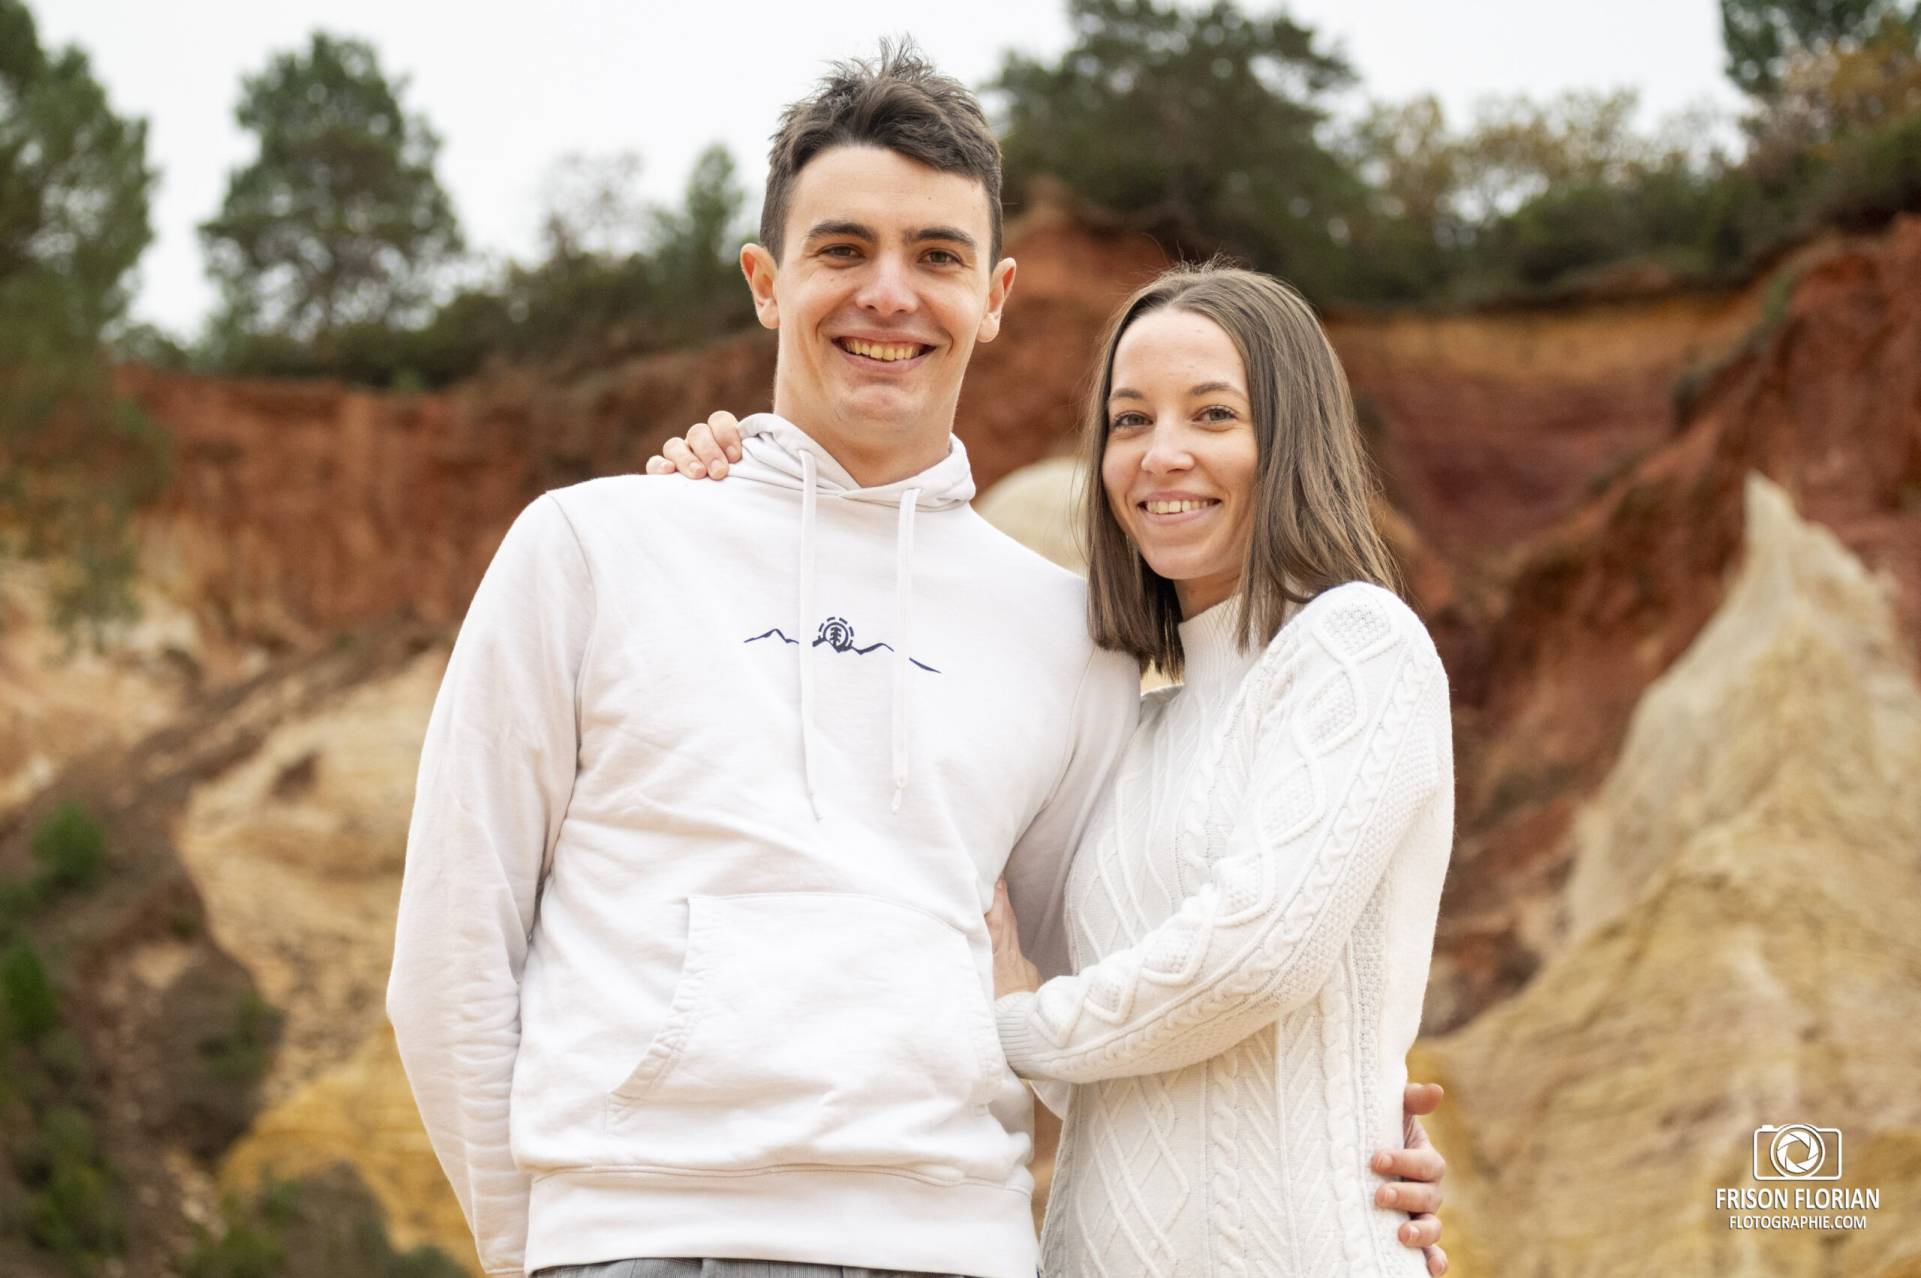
column 999, row 284
column 758, row 265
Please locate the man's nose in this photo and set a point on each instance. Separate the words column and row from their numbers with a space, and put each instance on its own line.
column 888, row 289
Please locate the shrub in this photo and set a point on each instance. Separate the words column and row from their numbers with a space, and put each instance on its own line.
column 1873, row 176
column 242, row 1054
column 71, row 847
column 29, row 1004
column 71, row 1208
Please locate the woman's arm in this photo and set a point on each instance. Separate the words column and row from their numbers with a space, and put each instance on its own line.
column 1352, row 715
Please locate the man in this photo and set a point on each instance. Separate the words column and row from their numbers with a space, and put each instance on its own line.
column 690, row 960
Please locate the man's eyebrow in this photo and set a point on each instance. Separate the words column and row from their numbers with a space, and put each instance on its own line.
column 856, row 230
column 952, row 234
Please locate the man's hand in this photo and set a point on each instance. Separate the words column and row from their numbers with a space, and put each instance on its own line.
column 1420, row 1167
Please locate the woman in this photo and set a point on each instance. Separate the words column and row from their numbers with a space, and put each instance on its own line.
column 1252, row 914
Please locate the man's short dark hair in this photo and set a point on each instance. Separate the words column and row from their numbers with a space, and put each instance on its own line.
column 897, row 101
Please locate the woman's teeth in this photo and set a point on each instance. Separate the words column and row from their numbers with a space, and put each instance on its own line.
column 888, row 351
column 1176, row 507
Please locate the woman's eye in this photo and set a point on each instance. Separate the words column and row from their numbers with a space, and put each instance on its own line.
column 1127, row 421
column 1219, row 414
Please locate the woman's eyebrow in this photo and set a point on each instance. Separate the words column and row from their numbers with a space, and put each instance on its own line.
column 1208, row 388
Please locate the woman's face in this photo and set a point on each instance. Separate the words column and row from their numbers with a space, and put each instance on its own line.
column 1181, row 455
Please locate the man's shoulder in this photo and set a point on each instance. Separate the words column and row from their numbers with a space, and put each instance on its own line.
column 1023, row 567
column 613, row 490
column 634, row 499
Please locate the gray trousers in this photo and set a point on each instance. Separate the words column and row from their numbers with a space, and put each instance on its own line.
column 720, row 1269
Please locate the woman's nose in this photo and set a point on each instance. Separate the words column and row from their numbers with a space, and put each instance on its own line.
column 1165, row 453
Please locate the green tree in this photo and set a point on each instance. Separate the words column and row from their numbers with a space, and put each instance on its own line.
column 75, row 461
column 339, row 219
column 619, row 277
column 1529, row 191
column 1204, row 122
column 696, row 250
column 1765, row 37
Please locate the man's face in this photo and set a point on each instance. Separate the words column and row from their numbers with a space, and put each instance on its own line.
column 883, row 287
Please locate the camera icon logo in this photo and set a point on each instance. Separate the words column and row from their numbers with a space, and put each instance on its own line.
column 1797, row 1151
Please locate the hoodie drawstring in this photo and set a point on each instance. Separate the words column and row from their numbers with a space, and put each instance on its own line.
column 804, row 632
column 903, row 634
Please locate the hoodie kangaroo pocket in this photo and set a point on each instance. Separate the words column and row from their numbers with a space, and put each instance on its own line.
column 819, row 1029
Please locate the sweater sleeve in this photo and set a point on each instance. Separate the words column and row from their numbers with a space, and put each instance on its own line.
column 496, row 772
column 1349, row 704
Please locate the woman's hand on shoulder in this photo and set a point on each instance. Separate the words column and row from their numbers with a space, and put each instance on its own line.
column 1013, row 974
column 703, row 452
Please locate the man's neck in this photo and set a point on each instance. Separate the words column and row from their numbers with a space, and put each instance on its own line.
column 909, row 452
column 886, row 468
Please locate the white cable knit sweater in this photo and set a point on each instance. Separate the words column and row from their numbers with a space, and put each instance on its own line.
column 1251, row 918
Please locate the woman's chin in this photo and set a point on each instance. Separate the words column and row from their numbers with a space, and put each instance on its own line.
column 1176, row 568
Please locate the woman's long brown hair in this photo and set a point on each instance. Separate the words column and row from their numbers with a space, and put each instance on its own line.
column 1311, row 528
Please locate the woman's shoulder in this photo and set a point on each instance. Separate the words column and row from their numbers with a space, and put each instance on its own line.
column 1351, row 621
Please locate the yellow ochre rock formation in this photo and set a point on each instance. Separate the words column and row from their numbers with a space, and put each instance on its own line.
column 297, row 852
column 1740, row 951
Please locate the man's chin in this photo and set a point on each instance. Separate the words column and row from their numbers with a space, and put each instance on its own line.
column 884, row 406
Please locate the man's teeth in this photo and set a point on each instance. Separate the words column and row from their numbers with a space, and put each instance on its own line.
column 1176, row 507
column 881, row 350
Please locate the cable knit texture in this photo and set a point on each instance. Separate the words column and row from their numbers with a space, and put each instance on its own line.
column 1251, row 918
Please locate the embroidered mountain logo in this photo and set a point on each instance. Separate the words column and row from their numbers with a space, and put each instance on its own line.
column 837, row 633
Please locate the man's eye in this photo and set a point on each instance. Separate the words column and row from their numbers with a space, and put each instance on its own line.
column 941, row 257
column 840, row 250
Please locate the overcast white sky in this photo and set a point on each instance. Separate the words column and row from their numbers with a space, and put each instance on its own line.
column 511, row 88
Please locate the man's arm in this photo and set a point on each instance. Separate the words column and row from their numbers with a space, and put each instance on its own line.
column 1106, row 706
column 496, row 772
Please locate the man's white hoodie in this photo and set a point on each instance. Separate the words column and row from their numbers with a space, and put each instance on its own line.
column 690, row 958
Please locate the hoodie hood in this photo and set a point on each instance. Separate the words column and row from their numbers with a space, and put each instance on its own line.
column 772, row 449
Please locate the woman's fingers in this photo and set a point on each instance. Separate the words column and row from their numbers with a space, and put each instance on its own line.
column 682, row 458
column 1000, row 917
column 706, row 449
column 700, row 439
column 1012, row 972
column 726, row 430
column 1436, row 1260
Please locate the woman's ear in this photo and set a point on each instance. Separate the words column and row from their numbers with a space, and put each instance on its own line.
column 758, row 265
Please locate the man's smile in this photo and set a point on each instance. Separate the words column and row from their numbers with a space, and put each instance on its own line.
column 894, row 354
